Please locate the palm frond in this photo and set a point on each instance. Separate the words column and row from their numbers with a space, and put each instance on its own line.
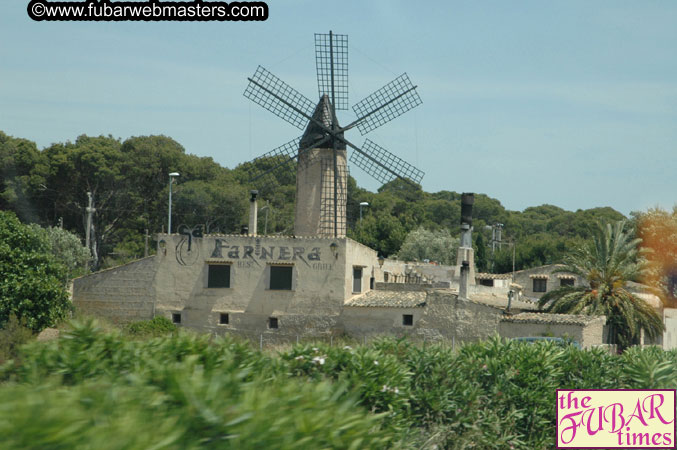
column 607, row 262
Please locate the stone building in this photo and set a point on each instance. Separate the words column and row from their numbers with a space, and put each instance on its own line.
column 247, row 284
column 588, row 331
column 538, row 280
column 287, row 287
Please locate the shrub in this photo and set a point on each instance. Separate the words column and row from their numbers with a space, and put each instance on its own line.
column 31, row 280
column 157, row 326
column 13, row 334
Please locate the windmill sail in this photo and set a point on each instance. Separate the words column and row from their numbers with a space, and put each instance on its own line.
column 319, row 157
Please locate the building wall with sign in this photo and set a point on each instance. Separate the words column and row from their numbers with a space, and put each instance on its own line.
column 240, row 283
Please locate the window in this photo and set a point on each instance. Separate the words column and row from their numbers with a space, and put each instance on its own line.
column 224, row 319
column 566, row 282
column 540, row 284
column 357, row 280
column 408, row 320
column 176, row 317
column 372, row 281
column 218, row 276
column 272, row 323
column 485, row 282
column 385, row 277
column 280, row 278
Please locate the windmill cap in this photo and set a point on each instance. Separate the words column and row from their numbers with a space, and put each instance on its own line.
column 314, row 133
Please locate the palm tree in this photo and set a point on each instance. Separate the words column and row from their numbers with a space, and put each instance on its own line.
column 607, row 263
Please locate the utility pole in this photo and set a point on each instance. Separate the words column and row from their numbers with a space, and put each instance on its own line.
column 169, row 218
column 90, row 211
column 145, row 248
column 513, row 260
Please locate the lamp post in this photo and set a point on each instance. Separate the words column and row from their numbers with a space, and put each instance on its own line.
column 265, row 226
column 362, row 205
column 169, row 221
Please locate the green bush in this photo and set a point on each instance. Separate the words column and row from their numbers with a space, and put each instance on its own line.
column 93, row 388
column 157, row 326
column 31, row 279
column 13, row 334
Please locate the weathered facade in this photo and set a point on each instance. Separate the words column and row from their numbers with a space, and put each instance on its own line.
column 240, row 283
column 538, row 280
column 586, row 330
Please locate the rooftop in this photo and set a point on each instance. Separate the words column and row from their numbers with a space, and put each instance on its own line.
column 389, row 299
column 501, row 301
column 566, row 319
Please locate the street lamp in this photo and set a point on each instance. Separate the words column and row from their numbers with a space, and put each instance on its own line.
column 265, row 227
column 362, row 204
column 169, row 221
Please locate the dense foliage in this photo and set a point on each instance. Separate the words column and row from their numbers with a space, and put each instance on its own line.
column 658, row 230
column 129, row 184
column 32, row 280
column 67, row 249
column 96, row 389
column 608, row 263
column 422, row 244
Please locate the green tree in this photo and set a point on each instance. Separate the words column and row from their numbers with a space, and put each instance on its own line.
column 480, row 253
column 422, row 244
column 67, row 249
column 658, row 230
column 31, row 279
column 384, row 233
column 608, row 262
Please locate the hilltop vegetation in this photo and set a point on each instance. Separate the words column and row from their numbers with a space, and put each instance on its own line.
column 129, row 183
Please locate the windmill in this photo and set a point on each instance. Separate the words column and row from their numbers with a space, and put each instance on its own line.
column 321, row 169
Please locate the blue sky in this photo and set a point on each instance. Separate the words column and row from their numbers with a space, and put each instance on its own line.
column 571, row 103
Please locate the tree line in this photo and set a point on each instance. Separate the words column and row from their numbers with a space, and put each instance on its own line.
column 128, row 180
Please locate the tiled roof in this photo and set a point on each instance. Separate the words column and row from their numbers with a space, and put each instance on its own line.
column 389, row 299
column 493, row 276
column 539, row 276
column 501, row 301
column 566, row 276
column 567, row 319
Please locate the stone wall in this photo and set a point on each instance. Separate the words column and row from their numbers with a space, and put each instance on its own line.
column 358, row 322
column 121, row 294
column 670, row 333
column 444, row 317
column 525, row 279
column 586, row 330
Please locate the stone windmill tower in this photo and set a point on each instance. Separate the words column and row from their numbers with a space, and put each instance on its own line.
column 321, row 152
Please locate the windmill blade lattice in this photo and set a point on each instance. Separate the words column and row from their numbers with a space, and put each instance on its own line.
column 278, row 97
column 389, row 102
column 331, row 59
column 320, row 165
column 272, row 167
column 390, row 166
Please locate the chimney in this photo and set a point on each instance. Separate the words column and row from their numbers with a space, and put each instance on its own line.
column 253, row 211
column 467, row 201
column 463, row 282
column 466, row 257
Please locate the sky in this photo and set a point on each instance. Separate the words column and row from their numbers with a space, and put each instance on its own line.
column 570, row 103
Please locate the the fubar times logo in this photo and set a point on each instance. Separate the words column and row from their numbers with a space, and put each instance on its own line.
column 616, row 418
